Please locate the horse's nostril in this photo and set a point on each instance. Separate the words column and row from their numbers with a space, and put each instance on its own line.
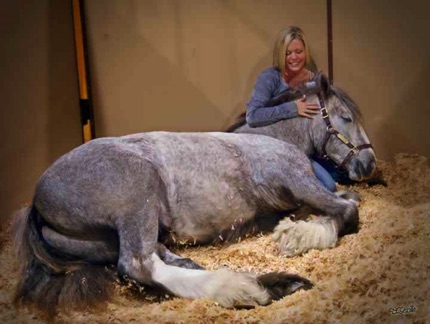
column 366, row 169
column 371, row 167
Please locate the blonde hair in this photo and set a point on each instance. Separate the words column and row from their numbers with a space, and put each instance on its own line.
column 285, row 37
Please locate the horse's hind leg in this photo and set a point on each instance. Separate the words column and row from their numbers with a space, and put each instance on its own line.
column 91, row 251
column 175, row 260
column 340, row 217
column 138, row 234
column 105, row 251
column 141, row 259
column 141, row 255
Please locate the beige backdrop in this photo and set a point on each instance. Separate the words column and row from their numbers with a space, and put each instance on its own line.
column 191, row 65
column 186, row 65
column 382, row 57
column 38, row 87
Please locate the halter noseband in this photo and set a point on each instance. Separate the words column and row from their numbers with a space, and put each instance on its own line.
column 354, row 150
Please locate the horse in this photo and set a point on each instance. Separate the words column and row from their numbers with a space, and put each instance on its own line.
column 123, row 201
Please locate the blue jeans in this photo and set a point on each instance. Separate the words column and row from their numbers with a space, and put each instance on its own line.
column 324, row 176
column 328, row 174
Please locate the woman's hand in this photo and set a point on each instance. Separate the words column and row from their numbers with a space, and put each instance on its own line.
column 306, row 109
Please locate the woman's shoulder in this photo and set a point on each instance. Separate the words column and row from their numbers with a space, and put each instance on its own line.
column 270, row 72
column 269, row 84
column 270, row 76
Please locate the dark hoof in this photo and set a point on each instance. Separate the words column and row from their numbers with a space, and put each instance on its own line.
column 281, row 284
column 349, row 195
column 185, row 263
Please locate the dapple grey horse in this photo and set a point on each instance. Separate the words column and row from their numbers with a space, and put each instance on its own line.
column 123, row 200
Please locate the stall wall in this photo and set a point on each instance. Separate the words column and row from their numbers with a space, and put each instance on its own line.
column 191, row 65
column 186, row 65
column 382, row 57
column 38, row 87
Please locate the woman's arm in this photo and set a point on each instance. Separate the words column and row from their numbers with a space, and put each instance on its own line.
column 258, row 113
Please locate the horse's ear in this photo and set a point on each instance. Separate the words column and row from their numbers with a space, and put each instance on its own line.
column 323, row 83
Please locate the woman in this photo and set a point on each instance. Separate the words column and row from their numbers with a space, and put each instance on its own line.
column 291, row 59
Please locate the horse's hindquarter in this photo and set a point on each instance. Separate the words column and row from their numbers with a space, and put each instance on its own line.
column 214, row 180
column 93, row 186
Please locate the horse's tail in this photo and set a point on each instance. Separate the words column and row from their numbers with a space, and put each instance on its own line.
column 49, row 280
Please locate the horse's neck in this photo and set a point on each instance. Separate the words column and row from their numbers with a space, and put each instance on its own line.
column 296, row 131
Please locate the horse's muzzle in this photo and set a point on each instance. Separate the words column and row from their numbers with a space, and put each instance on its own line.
column 362, row 167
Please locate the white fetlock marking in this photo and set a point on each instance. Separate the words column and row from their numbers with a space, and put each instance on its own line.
column 225, row 287
column 296, row 238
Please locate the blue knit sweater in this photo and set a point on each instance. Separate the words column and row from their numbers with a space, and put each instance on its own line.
column 269, row 84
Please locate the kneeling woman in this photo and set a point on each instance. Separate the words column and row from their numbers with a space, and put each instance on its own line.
column 291, row 59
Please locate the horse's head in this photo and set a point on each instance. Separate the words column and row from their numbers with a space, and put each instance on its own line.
column 338, row 133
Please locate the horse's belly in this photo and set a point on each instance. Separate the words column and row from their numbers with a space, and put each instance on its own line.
column 202, row 218
column 201, row 210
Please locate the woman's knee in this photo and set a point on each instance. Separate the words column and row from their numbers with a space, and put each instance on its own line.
column 323, row 176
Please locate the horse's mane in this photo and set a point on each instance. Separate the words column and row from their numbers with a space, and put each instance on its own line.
column 240, row 121
column 347, row 100
column 290, row 94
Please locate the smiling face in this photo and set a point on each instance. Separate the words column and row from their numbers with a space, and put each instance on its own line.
column 295, row 57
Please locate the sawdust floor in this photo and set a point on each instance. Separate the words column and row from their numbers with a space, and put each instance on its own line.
column 384, row 266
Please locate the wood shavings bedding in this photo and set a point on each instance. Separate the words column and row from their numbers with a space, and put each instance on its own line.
column 368, row 277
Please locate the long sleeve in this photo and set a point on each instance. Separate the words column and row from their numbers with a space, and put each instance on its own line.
column 266, row 87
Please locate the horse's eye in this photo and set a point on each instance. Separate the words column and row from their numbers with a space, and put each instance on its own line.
column 346, row 118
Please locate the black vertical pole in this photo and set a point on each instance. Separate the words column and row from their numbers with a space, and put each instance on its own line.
column 85, row 102
column 330, row 41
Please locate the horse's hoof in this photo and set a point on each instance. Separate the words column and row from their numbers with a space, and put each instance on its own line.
column 238, row 290
column 245, row 305
column 281, row 284
column 349, row 195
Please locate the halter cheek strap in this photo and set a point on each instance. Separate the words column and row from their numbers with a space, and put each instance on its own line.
column 354, row 150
